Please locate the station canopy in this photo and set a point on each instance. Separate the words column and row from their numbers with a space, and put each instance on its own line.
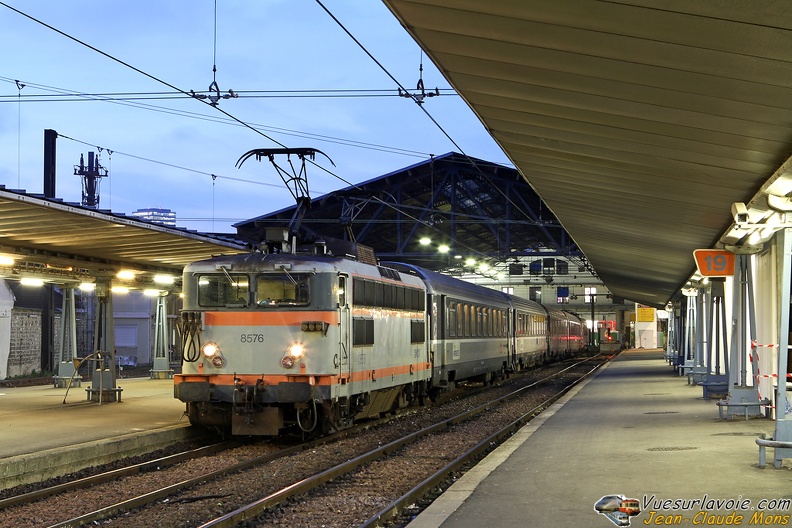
column 638, row 122
column 67, row 243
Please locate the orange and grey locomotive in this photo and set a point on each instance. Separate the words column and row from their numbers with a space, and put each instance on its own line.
column 314, row 341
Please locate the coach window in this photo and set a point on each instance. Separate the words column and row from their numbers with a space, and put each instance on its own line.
column 452, row 319
column 463, row 314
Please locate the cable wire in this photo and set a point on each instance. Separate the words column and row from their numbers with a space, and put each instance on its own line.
column 421, row 106
column 246, row 125
column 221, row 120
column 138, row 70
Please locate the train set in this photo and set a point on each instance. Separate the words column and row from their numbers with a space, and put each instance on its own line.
column 281, row 338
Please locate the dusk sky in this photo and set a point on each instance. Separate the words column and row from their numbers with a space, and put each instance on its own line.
column 162, row 147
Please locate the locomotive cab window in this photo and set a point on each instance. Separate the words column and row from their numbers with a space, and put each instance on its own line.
column 283, row 289
column 223, row 290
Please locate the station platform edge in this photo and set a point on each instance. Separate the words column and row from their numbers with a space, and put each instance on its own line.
column 635, row 430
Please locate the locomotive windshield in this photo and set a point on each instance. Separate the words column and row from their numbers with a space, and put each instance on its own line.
column 223, row 290
column 291, row 289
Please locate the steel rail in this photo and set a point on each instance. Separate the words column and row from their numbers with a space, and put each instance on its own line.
column 455, row 467
column 161, row 493
column 142, row 500
column 100, row 478
column 250, row 511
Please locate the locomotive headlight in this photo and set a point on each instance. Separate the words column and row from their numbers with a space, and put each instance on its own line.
column 210, row 349
column 296, row 350
column 218, row 361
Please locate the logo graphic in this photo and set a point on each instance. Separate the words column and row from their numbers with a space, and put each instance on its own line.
column 618, row 508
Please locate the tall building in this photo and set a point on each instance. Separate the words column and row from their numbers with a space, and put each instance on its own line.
column 157, row 215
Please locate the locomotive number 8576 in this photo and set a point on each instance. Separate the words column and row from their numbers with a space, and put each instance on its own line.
column 316, row 341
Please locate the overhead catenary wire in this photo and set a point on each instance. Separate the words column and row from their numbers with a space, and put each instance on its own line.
column 185, row 93
column 421, row 106
column 138, row 70
column 221, row 120
column 243, row 123
column 243, row 94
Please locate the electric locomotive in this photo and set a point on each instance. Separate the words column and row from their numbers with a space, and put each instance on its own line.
column 279, row 339
column 273, row 340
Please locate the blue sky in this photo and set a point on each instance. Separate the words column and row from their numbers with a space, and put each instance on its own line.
column 266, row 45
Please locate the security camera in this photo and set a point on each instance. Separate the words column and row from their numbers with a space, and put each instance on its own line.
column 740, row 213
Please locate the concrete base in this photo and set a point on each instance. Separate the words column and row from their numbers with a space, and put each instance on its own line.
column 104, row 395
column 60, row 382
column 103, row 388
column 742, row 401
column 696, row 375
column 161, row 374
column 688, row 366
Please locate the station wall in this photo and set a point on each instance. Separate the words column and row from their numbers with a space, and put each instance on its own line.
column 24, row 355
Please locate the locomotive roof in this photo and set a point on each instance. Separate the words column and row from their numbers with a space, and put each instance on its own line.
column 437, row 283
column 256, row 262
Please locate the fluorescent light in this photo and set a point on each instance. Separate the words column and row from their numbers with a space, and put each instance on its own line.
column 151, row 293
column 88, row 286
column 164, row 279
column 425, row 241
column 443, row 248
column 126, row 275
column 31, row 281
column 5, row 260
column 119, row 289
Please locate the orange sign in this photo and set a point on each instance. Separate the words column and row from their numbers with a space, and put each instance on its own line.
column 714, row 262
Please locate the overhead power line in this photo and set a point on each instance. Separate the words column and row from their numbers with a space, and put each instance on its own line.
column 419, row 101
column 249, row 126
column 244, row 94
column 222, row 120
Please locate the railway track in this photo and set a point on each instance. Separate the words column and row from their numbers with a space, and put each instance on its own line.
column 261, row 488
column 416, row 463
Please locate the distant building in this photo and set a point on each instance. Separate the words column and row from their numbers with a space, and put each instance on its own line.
column 157, row 215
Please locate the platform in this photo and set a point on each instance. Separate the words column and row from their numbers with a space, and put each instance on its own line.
column 637, row 430
column 37, row 424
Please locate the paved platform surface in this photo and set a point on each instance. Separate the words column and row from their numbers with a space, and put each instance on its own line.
column 639, row 430
column 40, row 434
column 35, row 418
